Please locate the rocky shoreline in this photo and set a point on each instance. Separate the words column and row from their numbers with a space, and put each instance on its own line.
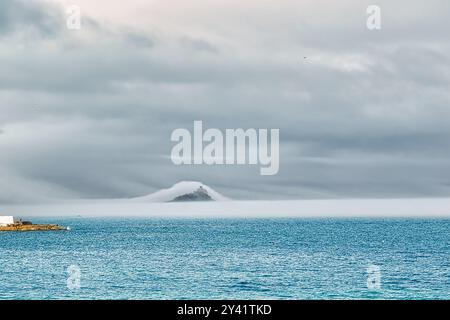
column 32, row 227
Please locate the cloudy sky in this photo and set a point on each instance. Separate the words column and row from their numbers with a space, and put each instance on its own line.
column 88, row 113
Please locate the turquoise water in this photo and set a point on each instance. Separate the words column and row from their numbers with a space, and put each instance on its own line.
column 228, row 259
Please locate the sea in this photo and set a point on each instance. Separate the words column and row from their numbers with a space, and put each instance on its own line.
column 225, row 258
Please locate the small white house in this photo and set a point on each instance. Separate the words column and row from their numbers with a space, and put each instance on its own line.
column 5, row 220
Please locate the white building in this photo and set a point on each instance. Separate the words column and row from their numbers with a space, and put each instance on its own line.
column 5, row 220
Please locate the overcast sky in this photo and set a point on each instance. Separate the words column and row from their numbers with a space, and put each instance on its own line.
column 89, row 113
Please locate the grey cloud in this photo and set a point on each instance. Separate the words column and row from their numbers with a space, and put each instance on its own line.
column 365, row 115
column 20, row 15
column 199, row 44
column 139, row 39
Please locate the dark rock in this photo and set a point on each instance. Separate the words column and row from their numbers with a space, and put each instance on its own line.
column 199, row 195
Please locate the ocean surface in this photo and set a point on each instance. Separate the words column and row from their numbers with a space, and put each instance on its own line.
column 134, row 258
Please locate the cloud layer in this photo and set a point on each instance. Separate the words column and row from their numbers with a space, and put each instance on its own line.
column 89, row 113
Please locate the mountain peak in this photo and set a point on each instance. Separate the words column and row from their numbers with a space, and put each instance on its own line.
column 198, row 195
column 185, row 191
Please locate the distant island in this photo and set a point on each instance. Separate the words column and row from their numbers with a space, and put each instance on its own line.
column 201, row 194
column 184, row 191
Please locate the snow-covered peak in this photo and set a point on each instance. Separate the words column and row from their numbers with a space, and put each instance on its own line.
column 180, row 189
